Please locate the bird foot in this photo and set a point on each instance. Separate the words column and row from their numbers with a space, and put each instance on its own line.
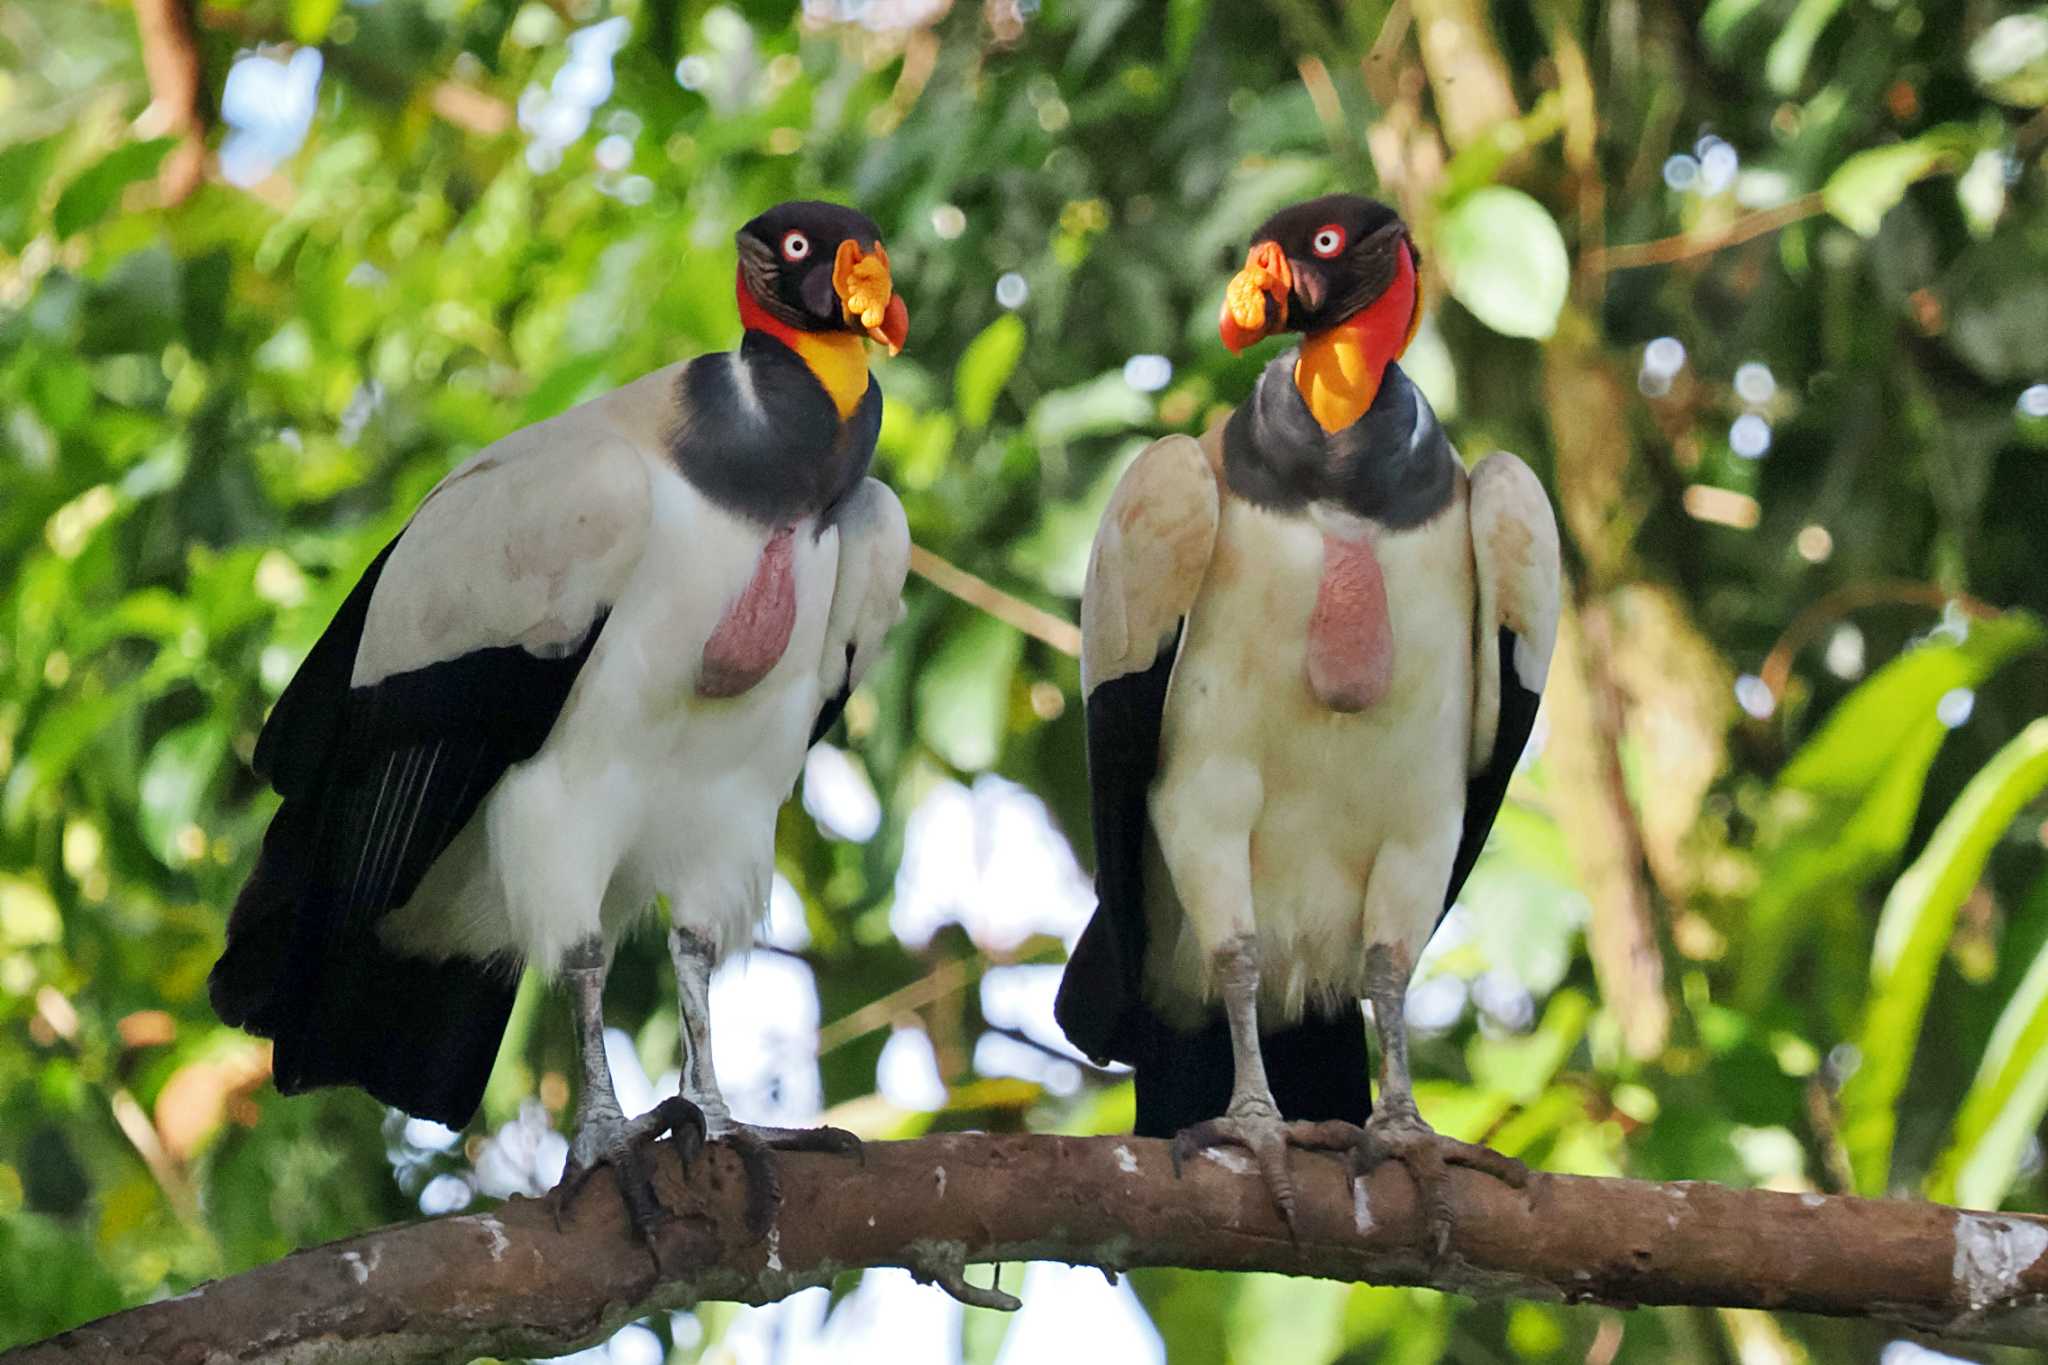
column 756, row 1145
column 1259, row 1129
column 1401, row 1135
column 609, row 1139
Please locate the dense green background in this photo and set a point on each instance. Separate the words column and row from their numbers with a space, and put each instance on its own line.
column 1763, row 922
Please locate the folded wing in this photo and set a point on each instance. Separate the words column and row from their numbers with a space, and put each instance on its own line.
column 1515, row 554
column 874, row 559
column 448, row 663
column 1151, row 553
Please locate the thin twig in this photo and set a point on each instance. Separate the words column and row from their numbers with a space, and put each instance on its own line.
column 1686, row 245
column 1038, row 623
column 1776, row 671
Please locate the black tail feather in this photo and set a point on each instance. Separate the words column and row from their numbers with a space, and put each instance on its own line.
column 1318, row 1070
column 420, row 1035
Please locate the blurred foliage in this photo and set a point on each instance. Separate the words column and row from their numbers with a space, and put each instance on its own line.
column 1757, row 285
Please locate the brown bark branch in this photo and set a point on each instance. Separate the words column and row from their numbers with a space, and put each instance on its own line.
column 170, row 55
column 507, row 1283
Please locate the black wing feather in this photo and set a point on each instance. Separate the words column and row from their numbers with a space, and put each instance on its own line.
column 378, row 781
column 1489, row 787
column 1317, row 1067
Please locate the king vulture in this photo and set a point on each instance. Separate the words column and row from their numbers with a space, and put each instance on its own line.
column 583, row 676
column 1313, row 646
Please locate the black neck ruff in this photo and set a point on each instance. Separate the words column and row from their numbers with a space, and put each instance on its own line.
column 1393, row 464
column 758, row 434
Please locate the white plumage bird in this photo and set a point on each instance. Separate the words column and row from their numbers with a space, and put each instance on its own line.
column 1313, row 648
column 585, row 675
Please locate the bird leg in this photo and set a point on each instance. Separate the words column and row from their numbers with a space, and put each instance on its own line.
column 694, row 957
column 604, row 1135
column 1396, row 1129
column 1253, row 1120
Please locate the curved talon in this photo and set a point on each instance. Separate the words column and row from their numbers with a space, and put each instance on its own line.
column 756, row 1146
column 621, row 1144
column 764, row 1185
column 1429, row 1155
column 1266, row 1136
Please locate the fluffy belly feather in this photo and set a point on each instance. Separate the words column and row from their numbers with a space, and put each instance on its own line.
column 647, row 786
column 1345, row 823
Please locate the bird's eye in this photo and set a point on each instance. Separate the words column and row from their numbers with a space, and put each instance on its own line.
column 1328, row 241
column 795, row 246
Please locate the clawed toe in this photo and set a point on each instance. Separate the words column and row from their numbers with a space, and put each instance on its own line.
column 1429, row 1155
column 1267, row 1137
column 625, row 1147
column 757, row 1145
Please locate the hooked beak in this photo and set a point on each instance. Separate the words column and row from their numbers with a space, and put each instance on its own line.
column 1255, row 303
column 867, row 295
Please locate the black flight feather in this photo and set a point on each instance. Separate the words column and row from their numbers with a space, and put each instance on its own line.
column 1489, row 786
column 378, row 781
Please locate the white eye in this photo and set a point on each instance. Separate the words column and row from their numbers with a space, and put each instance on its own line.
column 1328, row 241
column 795, row 246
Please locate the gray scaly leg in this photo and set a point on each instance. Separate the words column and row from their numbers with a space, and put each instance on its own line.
column 1253, row 1120
column 604, row 1135
column 1396, row 1129
column 694, row 956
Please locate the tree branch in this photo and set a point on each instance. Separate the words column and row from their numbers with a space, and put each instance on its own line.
column 508, row 1284
column 170, row 55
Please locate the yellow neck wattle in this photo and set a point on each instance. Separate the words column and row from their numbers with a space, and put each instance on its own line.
column 841, row 364
column 1338, row 376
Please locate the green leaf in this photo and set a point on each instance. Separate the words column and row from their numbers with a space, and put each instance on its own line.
column 1912, row 933
column 1785, row 65
column 312, row 18
column 985, row 366
column 1844, row 806
column 1869, row 184
column 2009, row 60
column 24, row 166
column 175, row 782
column 2008, row 1098
column 28, row 914
column 97, row 190
column 1103, row 406
column 1505, row 260
column 963, row 695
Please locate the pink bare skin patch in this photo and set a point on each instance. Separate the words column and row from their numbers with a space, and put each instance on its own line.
column 1350, row 642
column 755, row 629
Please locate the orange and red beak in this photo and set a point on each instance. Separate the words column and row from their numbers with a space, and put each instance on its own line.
column 868, row 296
column 1255, row 303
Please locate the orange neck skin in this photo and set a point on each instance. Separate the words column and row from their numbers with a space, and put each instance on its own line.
column 1339, row 370
column 838, row 359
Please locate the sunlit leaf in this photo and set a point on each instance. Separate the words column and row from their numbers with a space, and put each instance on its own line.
column 2008, row 1098
column 1866, row 186
column 1785, row 64
column 1505, row 261
column 1845, row 804
column 174, row 783
column 985, row 367
column 2010, row 59
column 1912, row 934
column 963, row 694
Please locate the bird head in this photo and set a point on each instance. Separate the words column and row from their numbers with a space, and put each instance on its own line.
column 1321, row 264
column 816, row 267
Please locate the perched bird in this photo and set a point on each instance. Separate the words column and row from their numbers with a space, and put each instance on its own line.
column 583, row 676
column 1313, row 647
